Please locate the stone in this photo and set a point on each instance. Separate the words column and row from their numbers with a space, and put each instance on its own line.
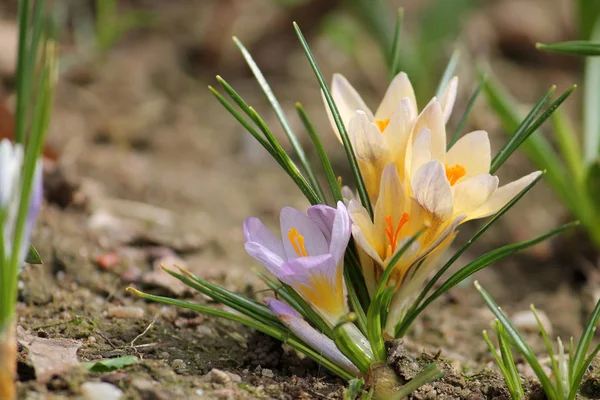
column 100, row 391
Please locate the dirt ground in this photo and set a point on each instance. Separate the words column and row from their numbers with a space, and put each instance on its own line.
column 153, row 171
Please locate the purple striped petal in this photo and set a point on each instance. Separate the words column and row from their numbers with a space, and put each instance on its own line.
column 280, row 308
column 335, row 224
column 269, row 259
column 318, row 341
column 323, row 217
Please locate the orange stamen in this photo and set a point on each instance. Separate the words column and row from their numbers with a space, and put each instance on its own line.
column 454, row 173
column 297, row 241
column 382, row 124
column 393, row 234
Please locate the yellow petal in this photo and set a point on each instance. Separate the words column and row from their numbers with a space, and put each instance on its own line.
column 347, row 101
column 472, row 152
column 472, row 193
column 399, row 89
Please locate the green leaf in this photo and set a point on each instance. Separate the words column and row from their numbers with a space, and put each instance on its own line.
column 111, row 364
column 509, row 362
column 287, row 128
column 279, row 334
column 576, row 47
column 465, row 116
column 472, row 267
column 33, row 257
column 395, row 58
column 519, row 344
column 430, row 374
column 584, row 344
column 591, row 104
column 326, row 164
column 360, row 184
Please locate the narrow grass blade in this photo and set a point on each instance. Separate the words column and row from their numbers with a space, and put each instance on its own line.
column 395, row 58
column 284, row 336
column 287, row 128
column 360, row 184
column 352, row 263
column 517, row 137
column 472, row 267
column 219, row 294
column 576, row 381
column 537, row 147
column 519, row 343
column 591, row 103
column 554, row 363
column 311, row 314
column 430, row 374
column 23, row 69
column 270, row 144
column 361, row 318
column 314, row 137
column 448, row 72
column 584, row 341
column 568, row 144
column 504, row 368
column 576, row 47
column 508, row 360
column 465, row 116
column 470, row 242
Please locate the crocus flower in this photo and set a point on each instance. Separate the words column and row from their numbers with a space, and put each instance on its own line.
column 309, row 335
column 11, row 164
column 397, row 218
column 310, row 256
column 381, row 138
column 454, row 182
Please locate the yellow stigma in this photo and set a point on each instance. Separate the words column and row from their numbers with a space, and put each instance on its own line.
column 297, row 241
column 382, row 124
column 454, row 173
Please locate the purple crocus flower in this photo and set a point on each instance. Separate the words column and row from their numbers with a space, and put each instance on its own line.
column 310, row 256
column 11, row 165
column 309, row 335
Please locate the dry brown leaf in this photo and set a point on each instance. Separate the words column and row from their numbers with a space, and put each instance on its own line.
column 49, row 356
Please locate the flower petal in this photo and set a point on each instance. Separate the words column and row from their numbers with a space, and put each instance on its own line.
column 318, row 341
column 502, row 196
column 363, row 231
column 420, row 151
column 448, row 98
column 347, row 101
column 269, row 259
column 400, row 88
column 367, row 141
column 432, row 190
column 323, row 216
column 319, row 280
column 472, row 193
column 280, row 308
column 341, row 233
column 256, row 231
column 397, row 133
column 391, row 201
column 473, row 152
column 433, row 118
column 314, row 242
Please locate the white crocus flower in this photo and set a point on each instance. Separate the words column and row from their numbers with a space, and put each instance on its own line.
column 381, row 138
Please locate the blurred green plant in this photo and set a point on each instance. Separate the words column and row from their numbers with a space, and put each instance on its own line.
column 573, row 166
column 568, row 369
column 422, row 52
column 21, row 169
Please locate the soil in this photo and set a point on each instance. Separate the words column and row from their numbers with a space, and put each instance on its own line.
column 152, row 170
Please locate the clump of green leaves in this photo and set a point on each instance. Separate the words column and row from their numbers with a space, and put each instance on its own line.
column 568, row 367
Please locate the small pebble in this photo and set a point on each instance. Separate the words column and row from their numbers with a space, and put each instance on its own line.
column 164, row 355
column 222, row 377
column 100, row 391
column 178, row 364
column 126, row 312
column 525, row 321
column 267, row 373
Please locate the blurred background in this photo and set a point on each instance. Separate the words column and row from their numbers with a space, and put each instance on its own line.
column 146, row 167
